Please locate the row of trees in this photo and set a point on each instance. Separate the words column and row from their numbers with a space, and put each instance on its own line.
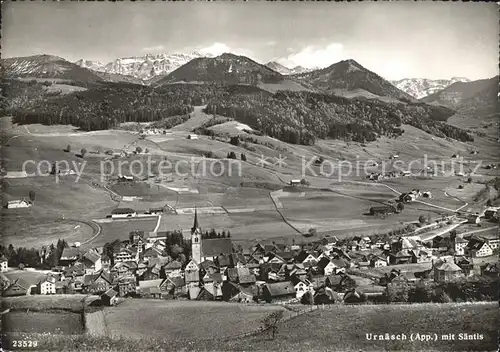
column 45, row 258
column 472, row 289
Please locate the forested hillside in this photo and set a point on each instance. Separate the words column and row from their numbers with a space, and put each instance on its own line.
column 102, row 106
column 301, row 117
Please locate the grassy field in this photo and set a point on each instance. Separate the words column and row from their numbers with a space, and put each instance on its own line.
column 183, row 320
column 339, row 328
column 67, row 323
column 120, row 229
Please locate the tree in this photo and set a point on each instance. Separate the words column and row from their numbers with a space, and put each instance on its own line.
column 243, row 157
column 270, row 322
column 83, row 152
column 312, row 231
column 231, row 155
column 32, row 195
column 304, row 182
column 138, row 150
column 400, row 206
column 68, row 148
column 235, row 141
column 421, row 219
column 469, row 180
column 146, row 150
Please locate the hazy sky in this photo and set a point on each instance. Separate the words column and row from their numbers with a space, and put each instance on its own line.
column 394, row 39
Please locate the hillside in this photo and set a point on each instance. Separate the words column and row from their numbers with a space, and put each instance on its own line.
column 346, row 76
column 230, row 69
column 47, row 66
column 302, row 117
column 457, row 95
column 422, row 87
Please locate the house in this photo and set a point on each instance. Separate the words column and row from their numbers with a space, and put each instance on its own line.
column 340, row 283
column 109, row 297
column 490, row 212
column 3, row 264
column 460, row 244
column 446, row 271
column 192, row 136
column 294, row 182
column 427, row 194
column 491, row 270
column 125, row 255
column 150, row 288
column 19, row 287
column 174, row 286
column 401, row 257
column 19, row 203
column 302, row 287
column 127, row 286
column 325, row 295
column 123, row 213
column 4, row 282
column 465, row 264
column 47, row 286
column 241, row 294
column 92, row 261
column 157, row 236
column 493, row 240
column 173, row 268
column 354, row 296
column 477, row 248
column 97, row 282
column 326, row 266
column 212, row 248
column 156, row 211
column 210, row 292
column 192, row 272
column 69, row 256
column 105, row 261
column 275, row 290
column 378, row 261
column 473, row 219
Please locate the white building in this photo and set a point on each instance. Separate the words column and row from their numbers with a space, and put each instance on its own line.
column 192, row 136
column 14, row 204
column 47, row 286
column 3, row 264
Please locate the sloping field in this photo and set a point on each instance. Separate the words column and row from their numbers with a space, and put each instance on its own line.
column 178, row 320
column 120, row 229
column 344, row 328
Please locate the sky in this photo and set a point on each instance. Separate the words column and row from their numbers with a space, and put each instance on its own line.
column 394, row 39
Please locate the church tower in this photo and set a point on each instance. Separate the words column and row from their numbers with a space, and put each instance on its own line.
column 196, row 239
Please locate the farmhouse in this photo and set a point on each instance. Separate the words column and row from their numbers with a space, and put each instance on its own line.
column 490, row 212
column 109, row 297
column 19, row 287
column 477, row 248
column 47, row 286
column 460, row 244
column 473, row 219
column 277, row 290
column 123, row 213
column 69, row 256
column 294, row 182
column 92, row 261
column 446, row 271
column 192, row 136
column 3, row 264
column 14, row 204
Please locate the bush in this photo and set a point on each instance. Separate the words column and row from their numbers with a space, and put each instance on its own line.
column 231, row 155
column 243, row 157
column 235, row 141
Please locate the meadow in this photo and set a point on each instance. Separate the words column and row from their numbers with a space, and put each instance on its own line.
column 184, row 320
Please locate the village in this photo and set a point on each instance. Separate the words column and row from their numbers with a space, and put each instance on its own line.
column 210, row 266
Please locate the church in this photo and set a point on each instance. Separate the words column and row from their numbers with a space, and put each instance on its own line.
column 207, row 249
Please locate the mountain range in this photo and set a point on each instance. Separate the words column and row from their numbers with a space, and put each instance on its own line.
column 276, row 66
column 143, row 67
column 422, row 87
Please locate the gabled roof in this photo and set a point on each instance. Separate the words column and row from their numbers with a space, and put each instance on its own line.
column 109, row 293
column 207, row 264
column 475, row 244
column 280, row 288
column 216, row 246
column 123, row 211
column 150, row 283
column 178, row 281
column 173, row 265
column 247, row 279
column 92, row 256
column 217, row 277
column 447, row 266
column 70, row 253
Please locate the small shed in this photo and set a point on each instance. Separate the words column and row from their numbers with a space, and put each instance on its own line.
column 109, row 297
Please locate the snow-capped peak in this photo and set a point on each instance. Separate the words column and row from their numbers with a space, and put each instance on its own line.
column 422, row 87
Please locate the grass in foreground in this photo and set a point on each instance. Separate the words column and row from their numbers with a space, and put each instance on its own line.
column 342, row 328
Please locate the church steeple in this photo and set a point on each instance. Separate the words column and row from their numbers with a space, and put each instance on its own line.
column 196, row 239
column 196, row 226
